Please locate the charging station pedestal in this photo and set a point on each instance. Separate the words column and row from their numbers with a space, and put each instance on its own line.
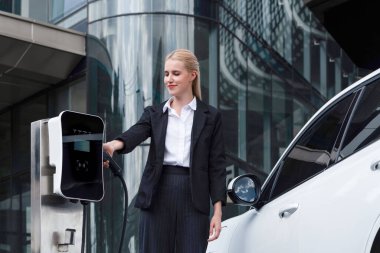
column 56, row 223
column 57, row 220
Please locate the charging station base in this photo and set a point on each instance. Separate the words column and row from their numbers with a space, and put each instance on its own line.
column 56, row 223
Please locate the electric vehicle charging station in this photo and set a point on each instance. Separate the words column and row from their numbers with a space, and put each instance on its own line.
column 66, row 169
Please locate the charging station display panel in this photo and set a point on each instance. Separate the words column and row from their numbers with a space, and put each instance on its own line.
column 82, row 152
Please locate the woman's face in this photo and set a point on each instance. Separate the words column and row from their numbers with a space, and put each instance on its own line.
column 178, row 79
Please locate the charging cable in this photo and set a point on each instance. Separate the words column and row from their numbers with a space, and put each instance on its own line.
column 84, row 225
column 116, row 171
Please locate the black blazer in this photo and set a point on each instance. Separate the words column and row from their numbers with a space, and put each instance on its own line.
column 207, row 157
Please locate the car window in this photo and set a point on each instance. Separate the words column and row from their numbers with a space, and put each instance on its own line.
column 312, row 152
column 364, row 127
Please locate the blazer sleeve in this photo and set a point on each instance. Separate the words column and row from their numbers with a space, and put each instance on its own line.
column 137, row 133
column 217, row 163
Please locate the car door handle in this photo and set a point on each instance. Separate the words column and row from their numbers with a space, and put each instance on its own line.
column 375, row 166
column 287, row 211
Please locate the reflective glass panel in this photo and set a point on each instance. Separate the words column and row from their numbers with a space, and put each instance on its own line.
column 126, row 62
column 245, row 189
column 364, row 127
column 312, row 152
column 6, row 147
column 59, row 9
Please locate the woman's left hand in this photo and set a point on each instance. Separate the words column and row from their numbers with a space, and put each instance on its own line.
column 216, row 222
column 215, row 227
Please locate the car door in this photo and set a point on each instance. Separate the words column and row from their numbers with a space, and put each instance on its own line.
column 275, row 224
column 339, row 208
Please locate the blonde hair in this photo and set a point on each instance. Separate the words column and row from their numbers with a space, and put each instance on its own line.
column 191, row 64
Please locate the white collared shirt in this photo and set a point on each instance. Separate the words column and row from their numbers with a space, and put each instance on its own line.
column 178, row 134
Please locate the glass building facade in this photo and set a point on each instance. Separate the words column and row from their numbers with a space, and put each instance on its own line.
column 266, row 65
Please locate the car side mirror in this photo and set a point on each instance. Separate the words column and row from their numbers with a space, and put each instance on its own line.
column 244, row 189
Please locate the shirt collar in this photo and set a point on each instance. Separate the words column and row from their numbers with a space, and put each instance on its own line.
column 192, row 104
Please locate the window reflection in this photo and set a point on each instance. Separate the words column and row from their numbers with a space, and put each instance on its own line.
column 59, row 9
column 5, row 148
column 245, row 189
column 365, row 125
column 312, row 152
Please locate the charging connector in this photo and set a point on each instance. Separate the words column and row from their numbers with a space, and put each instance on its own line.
column 116, row 171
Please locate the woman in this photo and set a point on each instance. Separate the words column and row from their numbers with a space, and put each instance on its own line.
column 185, row 166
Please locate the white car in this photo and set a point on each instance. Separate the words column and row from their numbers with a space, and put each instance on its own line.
column 323, row 195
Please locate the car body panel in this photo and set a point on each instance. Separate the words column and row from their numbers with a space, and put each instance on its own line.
column 323, row 221
column 337, row 210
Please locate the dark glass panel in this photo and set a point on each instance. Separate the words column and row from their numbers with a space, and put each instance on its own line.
column 6, row 144
column 312, row 152
column 364, row 127
column 23, row 115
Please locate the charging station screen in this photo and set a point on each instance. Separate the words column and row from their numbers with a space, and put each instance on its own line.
column 83, row 146
column 82, row 168
column 81, row 174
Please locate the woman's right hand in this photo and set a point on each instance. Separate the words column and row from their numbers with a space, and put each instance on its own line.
column 109, row 148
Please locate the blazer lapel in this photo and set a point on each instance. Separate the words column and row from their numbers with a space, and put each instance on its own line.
column 160, row 123
column 199, row 121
